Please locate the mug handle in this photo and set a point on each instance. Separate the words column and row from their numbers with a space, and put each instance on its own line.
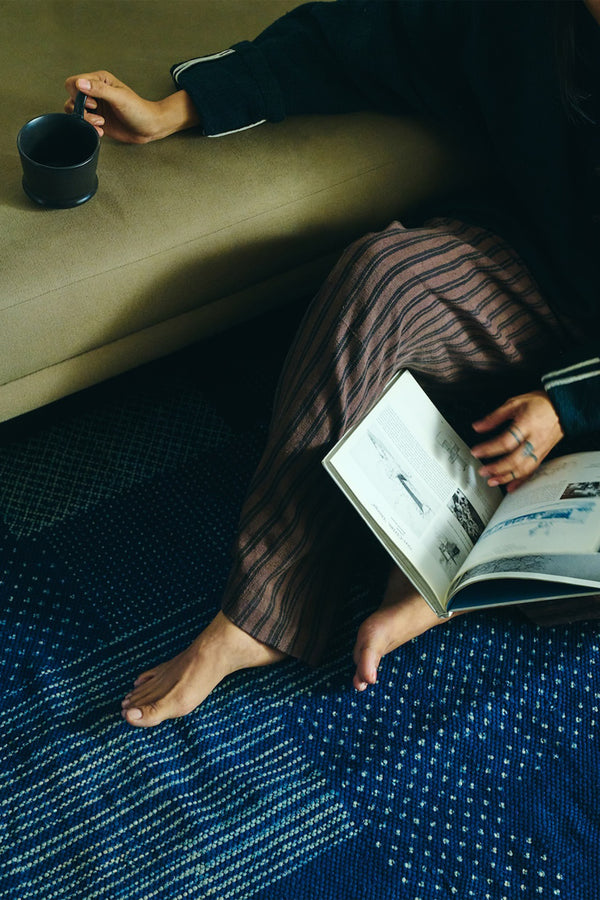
column 79, row 106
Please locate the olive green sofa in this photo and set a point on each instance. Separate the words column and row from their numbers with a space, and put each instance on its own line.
column 185, row 236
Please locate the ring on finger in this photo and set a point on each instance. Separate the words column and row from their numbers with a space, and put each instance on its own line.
column 517, row 434
column 529, row 451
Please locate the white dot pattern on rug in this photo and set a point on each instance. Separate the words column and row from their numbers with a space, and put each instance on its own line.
column 468, row 771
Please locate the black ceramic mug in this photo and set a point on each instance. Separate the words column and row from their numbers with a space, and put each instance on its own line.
column 59, row 154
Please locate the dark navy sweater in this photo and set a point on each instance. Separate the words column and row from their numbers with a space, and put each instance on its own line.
column 484, row 70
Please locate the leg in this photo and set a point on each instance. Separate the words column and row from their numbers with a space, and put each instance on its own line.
column 452, row 303
column 447, row 301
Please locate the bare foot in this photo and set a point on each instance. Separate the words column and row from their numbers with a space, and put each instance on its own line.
column 178, row 686
column 403, row 615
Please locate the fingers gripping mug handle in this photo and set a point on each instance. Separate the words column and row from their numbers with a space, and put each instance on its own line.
column 79, row 107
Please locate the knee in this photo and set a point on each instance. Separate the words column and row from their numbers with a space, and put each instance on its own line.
column 388, row 257
column 376, row 246
column 373, row 271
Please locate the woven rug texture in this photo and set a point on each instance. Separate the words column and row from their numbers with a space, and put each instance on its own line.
column 470, row 770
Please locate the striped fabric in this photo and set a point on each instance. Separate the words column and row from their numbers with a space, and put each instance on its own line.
column 451, row 302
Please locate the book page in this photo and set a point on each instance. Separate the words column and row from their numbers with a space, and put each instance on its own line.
column 525, row 579
column 555, row 512
column 415, row 482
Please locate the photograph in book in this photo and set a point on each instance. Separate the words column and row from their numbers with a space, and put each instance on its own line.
column 463, row 544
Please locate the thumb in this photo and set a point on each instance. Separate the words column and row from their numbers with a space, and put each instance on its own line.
column 84, row 85
column 102, row 88
column 100, row 85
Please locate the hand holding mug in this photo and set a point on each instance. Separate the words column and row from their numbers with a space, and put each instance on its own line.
column 114, row 109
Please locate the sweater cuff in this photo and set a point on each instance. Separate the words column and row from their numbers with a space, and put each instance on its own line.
column 232, row 90
column 575, row 394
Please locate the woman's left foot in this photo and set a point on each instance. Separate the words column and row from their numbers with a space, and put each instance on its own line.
column 403, row 615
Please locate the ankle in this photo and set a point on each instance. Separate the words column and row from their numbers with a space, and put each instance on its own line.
column 240, row 648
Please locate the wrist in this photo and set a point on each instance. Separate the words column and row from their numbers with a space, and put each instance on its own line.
column 175, row 113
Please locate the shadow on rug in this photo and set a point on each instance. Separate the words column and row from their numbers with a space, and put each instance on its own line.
column 470, row 770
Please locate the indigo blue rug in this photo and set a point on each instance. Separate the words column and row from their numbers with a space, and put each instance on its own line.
column 471, row 770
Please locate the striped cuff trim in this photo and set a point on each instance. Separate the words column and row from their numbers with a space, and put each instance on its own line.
column 589, row 368
column 182, row 67
column 592, row 361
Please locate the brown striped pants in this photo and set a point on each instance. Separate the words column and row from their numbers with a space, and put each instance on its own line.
column 451, row 302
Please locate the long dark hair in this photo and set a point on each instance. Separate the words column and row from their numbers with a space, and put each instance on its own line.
column 570, row 19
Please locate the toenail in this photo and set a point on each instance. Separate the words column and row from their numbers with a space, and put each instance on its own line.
column 135, row 713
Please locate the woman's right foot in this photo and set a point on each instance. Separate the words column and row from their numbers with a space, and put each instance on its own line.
column 178, row 686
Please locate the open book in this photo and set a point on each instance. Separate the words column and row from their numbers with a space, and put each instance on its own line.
column 463, row 544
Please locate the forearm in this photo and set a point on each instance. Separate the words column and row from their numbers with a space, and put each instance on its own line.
column 322, row 58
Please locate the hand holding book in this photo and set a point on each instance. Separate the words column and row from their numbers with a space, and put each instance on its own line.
column 532, row 431
column 460, row 542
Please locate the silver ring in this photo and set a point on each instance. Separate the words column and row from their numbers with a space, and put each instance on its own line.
column 528, row 451
column 518, row 439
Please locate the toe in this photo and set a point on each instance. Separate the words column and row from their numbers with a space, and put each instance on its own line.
column 358, row 683
column 153, row 703
column 367, row 662
column 146, row 716
column 133, row 715
column 135, row 697
column 144, row 677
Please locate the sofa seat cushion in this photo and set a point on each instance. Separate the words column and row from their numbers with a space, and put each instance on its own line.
column 187, row 235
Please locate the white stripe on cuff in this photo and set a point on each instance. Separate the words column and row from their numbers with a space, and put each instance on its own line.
column 559, row 382
column 593, row 360
column 181, row 68
column 235, row 130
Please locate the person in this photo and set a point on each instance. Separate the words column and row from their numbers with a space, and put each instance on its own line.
column 492, row 302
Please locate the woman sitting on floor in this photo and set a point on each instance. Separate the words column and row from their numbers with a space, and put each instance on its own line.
column 478, row 302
